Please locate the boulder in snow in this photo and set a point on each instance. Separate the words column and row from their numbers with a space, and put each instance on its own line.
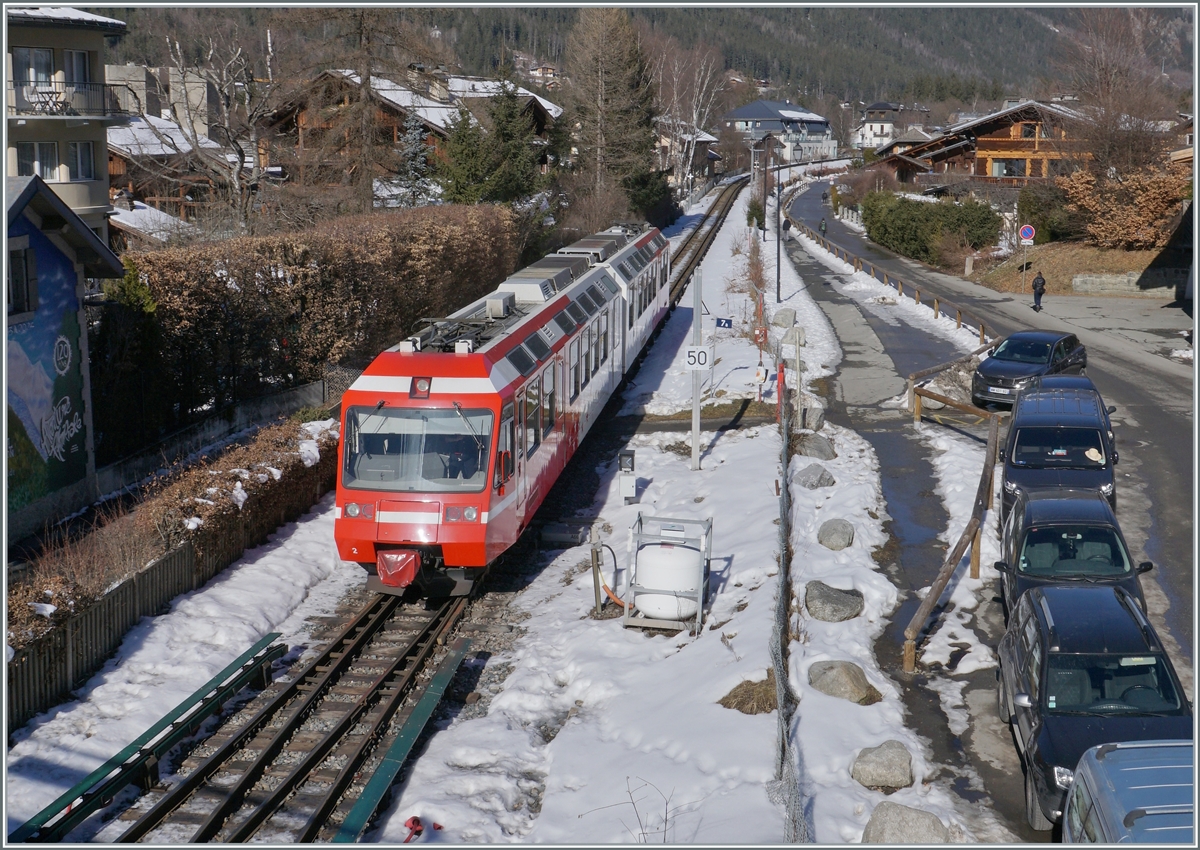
column 843, row 679
column 784, row 317
column 814, row 445
column 813, row 476
column 884, row 768
column 892, row 823
column 835, row 534
column 812, row 417
column 794, row 336
column 831, row 605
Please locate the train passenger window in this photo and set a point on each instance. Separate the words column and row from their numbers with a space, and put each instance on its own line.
column 574, row 369
column 564, row 322
column 631, row 313
column 587, row 353
column 602, row 343
column 587, row 303
column 599, row 296
column 533, row 409
column 504, row 462
column 609, row 284
column 548, row 409
column 538, row 346
column 576, row 313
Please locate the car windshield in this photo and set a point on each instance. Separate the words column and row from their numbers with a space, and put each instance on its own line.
column 1023, row 351
column 1109, row 684
column 1079, row 448
column 1062, row 551
column 429, row 450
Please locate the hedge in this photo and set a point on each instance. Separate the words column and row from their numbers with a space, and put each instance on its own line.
column 194, row 329
column 914, row 228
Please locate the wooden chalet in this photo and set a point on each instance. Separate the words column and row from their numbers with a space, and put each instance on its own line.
column 1023, row 142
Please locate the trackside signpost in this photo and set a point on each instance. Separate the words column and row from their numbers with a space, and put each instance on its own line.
column 1027, row 233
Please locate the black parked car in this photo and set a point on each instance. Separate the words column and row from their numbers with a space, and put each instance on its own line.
column 1058, row 438
column 1046, row 383
column 1020, row 358
column 1080, row 666
column 1064, row 536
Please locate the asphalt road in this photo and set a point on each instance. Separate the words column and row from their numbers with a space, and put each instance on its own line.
column 1127, row 341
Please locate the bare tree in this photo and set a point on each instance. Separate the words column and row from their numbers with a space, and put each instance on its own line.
column 1124, row 97
column 219, row 103
column 689, row 84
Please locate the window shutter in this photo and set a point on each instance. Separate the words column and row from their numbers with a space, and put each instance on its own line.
column 32, row 276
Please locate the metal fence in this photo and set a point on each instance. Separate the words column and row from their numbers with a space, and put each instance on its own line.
column 786, row 789
column 43, row 674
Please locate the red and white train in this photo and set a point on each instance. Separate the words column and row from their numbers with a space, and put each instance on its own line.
column 451, row 440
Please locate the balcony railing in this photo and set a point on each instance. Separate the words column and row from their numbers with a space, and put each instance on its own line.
column 54, row 98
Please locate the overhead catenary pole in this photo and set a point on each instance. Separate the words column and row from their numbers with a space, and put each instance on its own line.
column 697, row 339
column 778, row 232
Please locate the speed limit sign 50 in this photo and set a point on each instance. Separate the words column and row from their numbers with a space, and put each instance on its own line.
column 698, row 357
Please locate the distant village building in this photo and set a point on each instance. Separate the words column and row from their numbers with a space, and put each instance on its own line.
column 59, row 104
column 882, row 122
column 803, row 135
column 1024, row 141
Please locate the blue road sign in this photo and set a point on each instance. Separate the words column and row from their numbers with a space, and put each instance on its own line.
column 724, row 323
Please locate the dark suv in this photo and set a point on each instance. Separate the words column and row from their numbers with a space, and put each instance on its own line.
column 1080, row 666
column 1020, row 358
column 1059, row 536
column 1058, row 438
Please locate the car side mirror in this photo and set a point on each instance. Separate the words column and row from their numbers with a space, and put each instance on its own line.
column 1001, row 566
column 1116, row 458
column 1000, row 455
column 1145, row 566
column 1112, row 408
column 1022, row 701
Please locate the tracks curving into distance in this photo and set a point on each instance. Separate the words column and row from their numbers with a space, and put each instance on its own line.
column 693, row 249
column 283, row 765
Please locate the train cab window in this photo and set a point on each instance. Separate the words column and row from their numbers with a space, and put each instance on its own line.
column 548, row 398
column 574, row 355
column 533, row 410
column 427, row 450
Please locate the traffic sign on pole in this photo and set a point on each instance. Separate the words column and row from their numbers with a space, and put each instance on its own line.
column 1027, row 232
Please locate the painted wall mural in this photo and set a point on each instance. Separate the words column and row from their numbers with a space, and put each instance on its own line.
column 47, row 437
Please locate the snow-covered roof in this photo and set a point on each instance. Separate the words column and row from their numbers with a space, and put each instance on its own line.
column 60, row 15
column 146, row 221
column 137, row 138
column 480, row 87
column 432, row 112
column 1061, row 111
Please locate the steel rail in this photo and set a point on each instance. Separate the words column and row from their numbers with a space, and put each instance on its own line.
column 138, row 762
column 703, row 236
column 341, row 652
column 406, row 666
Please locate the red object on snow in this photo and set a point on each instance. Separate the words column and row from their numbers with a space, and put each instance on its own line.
column 415, row 828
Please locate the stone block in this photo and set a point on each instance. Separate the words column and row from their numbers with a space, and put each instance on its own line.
column 814, row 445
column 835, row 534
column 884, row 768
column 845, row 680
column 892, row 823
column 830, row 604
column 813, row 476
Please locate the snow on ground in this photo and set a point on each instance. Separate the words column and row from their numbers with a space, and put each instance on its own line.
column 599, row 734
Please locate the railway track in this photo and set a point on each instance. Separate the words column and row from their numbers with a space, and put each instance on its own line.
column 692, row 251
column 289, row 767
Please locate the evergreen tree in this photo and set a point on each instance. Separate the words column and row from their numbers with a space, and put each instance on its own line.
column 413, row 179
column 514, row 172
column 466, row 161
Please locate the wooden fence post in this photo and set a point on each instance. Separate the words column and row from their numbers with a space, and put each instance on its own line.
column 917, row 295
column 916, row 406
column 937, row 308
column 982, row 334
column 958, row 317
column 975, row 544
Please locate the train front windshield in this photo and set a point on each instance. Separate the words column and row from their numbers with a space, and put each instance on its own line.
column 427, row 450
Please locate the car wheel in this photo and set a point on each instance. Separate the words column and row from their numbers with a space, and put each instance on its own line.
column 1002, row 698
column 1033, row 809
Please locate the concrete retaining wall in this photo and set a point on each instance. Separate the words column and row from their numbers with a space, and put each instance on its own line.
column 1153, row 283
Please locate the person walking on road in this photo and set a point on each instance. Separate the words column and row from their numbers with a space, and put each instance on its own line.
column 1039, row 289
column 822, row 227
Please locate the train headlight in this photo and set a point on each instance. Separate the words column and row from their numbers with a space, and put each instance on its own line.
column 455, row 513
column 351, row 510
column 420, row 388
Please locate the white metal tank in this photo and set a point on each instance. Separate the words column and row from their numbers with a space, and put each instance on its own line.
column 668, row 567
